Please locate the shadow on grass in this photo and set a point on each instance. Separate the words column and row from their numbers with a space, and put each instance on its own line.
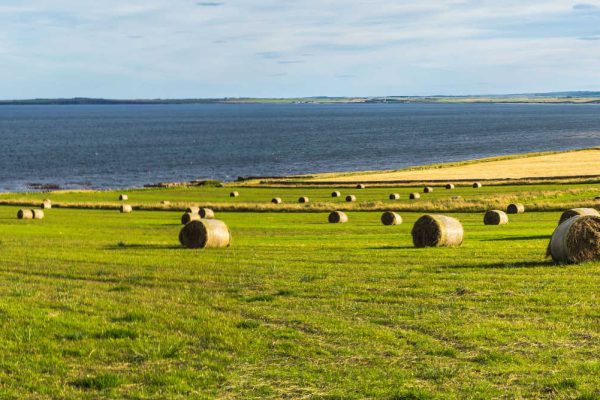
column 539, row 237
column 125, row 246
column 504, row 265
column 391, row 248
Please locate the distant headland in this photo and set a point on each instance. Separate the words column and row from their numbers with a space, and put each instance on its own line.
column 580, row 97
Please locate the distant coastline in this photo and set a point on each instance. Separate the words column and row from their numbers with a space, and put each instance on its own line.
column 581, row 97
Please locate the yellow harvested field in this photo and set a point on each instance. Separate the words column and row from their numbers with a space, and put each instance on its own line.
column 568, row 164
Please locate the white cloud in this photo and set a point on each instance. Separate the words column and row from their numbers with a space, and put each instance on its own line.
column 181, row 48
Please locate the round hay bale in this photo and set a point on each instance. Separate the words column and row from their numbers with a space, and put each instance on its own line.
column 476, row 185
column 187, row 217
column 205, row 233
column 495, row 217
column 338, row 217
column 351, row 198
column 450, row 186
column 391, row 218
column 46, row 204
column 165, row 203
column 38, row 214
column 206, row 213
column 394, row 196
column 234, row 194
column 576, row 240
column 360, row 186
column 303, row 200
column 575, row 212
column 193, row 210
column 414, row 196
column 437, row 231
column 276, row 200
column 335, row 194
column 427, row 189
column 123, row 197
column 126, row 209
column 515, row 208
column 25, row 214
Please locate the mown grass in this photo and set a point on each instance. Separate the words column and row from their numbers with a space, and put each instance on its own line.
column 462, row 199
column 96, row 304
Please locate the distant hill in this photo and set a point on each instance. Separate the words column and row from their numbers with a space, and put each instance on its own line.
column 552, row 97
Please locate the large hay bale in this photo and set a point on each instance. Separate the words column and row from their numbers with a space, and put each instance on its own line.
column 576, row 212
column 515, row 208
column 123, row 197
column 437, row 231
column 46, row 204
column 234, row 194
column 187, row 217
column 394, row 196
column 276, row 200
column 414, row 196
column 427, row 189
column 303, row 200
column 38, row 214
column 350, row 198
column 165, row 203
column 338, row 217
column 205, row 233
column 360, row 186
column 476, row 185
column 25, row 214
column 206, row 213
column 495, row 217
column 126, row 209
column 193, row 210
column 576, row 240
column 391, row 218
column 450, row 186
column 335, row 194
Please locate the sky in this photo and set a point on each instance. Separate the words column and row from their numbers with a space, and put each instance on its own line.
column 291, row 48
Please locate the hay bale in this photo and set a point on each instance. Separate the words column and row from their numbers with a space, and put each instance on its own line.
column 576, row 240
column 165, row 203
column 360, row 186
column 126, row 209
column 46, row 204
column 206, row 213
column 187, row 217
column 427, row 189
column 193, row 210
column 437, row 231
column 123, row 197
column 234, row 194
column 338, row 217
column 476, row 185
column 205, row 233
column 25, row 214
column 38, row 214
column 576, row 212
column 394, row 196
column 335, row 194
column 495, row 217
column 303, row 200
column 414, row 196
column 391, row 218
column 351, row 198
column 515, row 208
column 276, row 200
column 450, row 186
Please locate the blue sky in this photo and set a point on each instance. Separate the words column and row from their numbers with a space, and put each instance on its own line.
column 286, row 48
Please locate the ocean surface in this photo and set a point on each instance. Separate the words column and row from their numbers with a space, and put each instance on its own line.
column 132, row 145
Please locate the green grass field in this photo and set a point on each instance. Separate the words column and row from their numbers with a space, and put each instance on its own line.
column 98, row 304
column 536, row 197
